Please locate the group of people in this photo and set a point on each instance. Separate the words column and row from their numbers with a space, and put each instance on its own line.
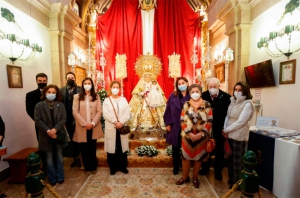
column 192, row 117
column 73, row 113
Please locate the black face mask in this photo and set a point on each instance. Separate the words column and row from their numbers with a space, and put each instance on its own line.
column 42, row 85
column 71, row 82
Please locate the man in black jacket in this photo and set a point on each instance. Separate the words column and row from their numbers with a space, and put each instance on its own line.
column 219, row 101
column 34, row 97
column 2, row 132
column 67, row 92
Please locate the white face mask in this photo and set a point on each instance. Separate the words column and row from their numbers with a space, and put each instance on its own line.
column 238, row 94
column 195, row 96
column 213, row 91
column 115, row 91
column 87, row 87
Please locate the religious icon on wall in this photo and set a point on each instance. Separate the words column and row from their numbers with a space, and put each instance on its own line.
column 287, row 72
column 14, row 76
column 220, row 71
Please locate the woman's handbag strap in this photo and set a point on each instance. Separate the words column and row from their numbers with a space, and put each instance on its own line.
column 114, row 109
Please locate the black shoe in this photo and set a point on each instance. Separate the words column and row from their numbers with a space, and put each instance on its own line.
column 60, row 182
column 125, row 171
column 3, row 195
column 175, row 171
column 53, row 183
column 230, row 182
column 73, row 164
column 113, row 172
column 203, row 172
column 218, row 176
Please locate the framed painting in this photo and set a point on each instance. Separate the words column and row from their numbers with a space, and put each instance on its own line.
column 14, row 76
column 80, row 73
column 287, row 71
column 220, row 71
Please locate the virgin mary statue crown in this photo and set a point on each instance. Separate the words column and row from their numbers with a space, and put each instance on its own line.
column 148, row 64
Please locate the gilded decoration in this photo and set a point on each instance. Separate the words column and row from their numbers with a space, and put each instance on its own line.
column 147, row 4
column 146, row 119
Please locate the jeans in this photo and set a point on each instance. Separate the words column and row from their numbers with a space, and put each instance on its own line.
column 54, row 164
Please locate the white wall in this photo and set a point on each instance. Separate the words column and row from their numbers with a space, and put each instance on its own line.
column 20, row 132
column 281, row 101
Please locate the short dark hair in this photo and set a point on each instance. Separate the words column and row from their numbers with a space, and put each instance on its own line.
column 58, row 96
column 177, row 91
column 41, row 75
column 245, row 89
column 195, row 86
column 70, row 73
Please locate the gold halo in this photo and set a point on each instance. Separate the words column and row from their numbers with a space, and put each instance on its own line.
column 148, row 64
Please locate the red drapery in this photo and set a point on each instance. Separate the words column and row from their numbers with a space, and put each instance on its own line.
column 120, row 30
column 175, row 27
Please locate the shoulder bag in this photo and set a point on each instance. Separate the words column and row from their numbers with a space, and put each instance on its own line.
column 124, row 129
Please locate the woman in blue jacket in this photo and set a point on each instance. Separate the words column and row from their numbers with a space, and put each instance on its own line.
column 172, row 119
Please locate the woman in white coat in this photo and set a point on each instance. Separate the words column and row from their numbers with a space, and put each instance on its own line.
column 116, row 145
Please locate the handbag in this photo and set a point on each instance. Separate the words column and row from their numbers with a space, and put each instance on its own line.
column 124, row 130
column 210, row 145
column 227, row 149
column 60, row 138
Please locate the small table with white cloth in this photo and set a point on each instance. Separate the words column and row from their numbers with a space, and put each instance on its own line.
column 287, row 167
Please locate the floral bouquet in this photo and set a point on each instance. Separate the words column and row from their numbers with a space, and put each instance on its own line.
column 150, row 151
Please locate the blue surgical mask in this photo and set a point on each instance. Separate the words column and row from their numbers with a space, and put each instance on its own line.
column 182, row 87
column 50, row 97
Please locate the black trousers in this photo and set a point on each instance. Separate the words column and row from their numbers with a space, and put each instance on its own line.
column 74, row 145
column 176, row 153
column 219, row 156
column 41, row 153
column 118, row 160
column 88, row 152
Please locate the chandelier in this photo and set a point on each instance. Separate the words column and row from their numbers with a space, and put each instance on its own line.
column 13, row 43
column 285, row 39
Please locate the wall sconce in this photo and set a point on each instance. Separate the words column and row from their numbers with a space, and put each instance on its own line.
column 280, row 41
column 218, row 56
column 72, row 60
column 12, row 45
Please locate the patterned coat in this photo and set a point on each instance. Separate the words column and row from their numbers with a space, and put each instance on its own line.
column 195, row 121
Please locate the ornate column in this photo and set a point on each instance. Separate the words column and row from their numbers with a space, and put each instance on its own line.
column 62, row 21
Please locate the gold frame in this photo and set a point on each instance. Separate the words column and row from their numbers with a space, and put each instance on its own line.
column 80, row 73
column 287, row 72
column 14, row 76
column 220, row 71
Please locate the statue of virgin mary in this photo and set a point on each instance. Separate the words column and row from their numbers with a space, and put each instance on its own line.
column 143, row 115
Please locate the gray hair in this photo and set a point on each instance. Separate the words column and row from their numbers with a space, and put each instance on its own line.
column 213, row 79
column 195, row 86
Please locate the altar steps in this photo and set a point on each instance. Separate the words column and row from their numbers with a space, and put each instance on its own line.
column 161, row 160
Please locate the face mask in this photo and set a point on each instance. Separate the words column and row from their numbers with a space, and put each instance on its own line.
column 182, row 87
column 87, row 87
column 195, row 96
column 42, row 85
column 213, row 91
column 71, row 82
column 115, row 91
column 238, row 94
column 50, row 97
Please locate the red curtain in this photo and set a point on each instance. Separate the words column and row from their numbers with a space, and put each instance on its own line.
column 175, row 27
column 120, row 30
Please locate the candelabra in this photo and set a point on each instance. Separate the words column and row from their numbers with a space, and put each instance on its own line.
column 121, row 69
column 194, row 59
column 174, row 67
column 228, row 58
column 102, row 63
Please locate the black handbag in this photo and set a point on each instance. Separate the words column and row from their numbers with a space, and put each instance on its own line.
column 124, row 130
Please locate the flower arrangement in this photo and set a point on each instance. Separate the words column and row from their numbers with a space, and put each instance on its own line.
column 169, row 150
column 150, row 151
column 121, row 70
column 102, row 94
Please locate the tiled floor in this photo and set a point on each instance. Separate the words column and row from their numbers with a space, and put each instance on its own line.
column 77, row 184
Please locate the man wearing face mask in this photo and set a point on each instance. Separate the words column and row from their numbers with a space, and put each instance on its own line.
column 219, row 101
column 67, row 92
column 34, row 97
